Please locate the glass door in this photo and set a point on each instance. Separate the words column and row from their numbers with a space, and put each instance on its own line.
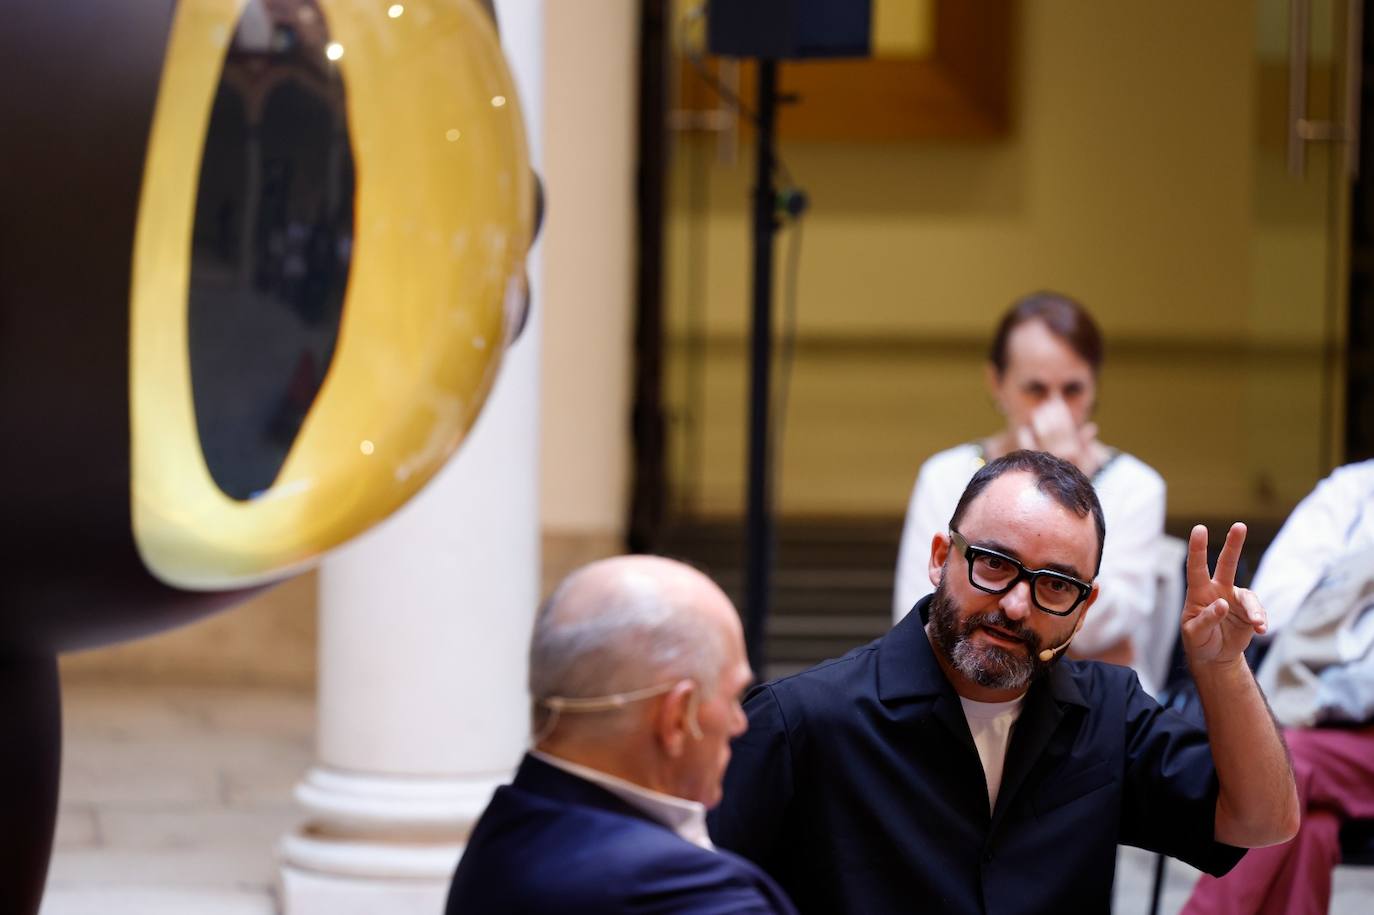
column 1307, row 104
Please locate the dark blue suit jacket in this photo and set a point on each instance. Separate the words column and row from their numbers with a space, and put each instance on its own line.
column 552, row 842
column 858, row 787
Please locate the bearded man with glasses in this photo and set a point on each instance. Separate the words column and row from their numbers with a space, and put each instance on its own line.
column 960, row 764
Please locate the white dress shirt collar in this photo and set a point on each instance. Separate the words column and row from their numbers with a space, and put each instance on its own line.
column 684, row 817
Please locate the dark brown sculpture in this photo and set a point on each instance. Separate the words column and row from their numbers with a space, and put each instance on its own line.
column 256, row 276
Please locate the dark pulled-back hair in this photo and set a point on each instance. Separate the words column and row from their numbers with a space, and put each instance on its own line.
column 1066, row 318
column 1055, row 477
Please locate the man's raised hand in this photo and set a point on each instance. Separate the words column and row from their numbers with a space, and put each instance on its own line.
column 1219, row 619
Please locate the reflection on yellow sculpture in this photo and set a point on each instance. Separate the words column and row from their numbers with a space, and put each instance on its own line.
column 442, row 227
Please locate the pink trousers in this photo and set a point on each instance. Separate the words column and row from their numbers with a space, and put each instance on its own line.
column 1334, row 769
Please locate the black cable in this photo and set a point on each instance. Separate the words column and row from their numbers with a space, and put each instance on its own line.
column 787, row 342
column 698, row 63
column 693, row 369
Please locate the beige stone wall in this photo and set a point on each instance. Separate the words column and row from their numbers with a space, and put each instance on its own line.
column 565, row 551
column 589, row 255
column 268, row 641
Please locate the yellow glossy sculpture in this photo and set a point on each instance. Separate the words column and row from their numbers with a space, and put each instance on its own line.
column 443, row 219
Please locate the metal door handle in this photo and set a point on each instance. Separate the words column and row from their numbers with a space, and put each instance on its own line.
column 1301, row 129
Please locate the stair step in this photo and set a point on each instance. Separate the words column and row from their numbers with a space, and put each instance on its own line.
column 831, row 584
column 866, row 626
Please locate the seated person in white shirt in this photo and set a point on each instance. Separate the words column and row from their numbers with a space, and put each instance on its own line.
column 637, row 665
column 1326, row 543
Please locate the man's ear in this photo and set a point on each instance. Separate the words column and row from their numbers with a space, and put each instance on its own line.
column 673, row 724
column 939, row 552
column 1087, row 605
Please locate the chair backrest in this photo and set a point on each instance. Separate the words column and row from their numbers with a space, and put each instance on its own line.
column 1154, row 642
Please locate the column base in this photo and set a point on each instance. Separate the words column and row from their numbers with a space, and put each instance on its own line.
column 408, row 808
column 309, row 893
column 378, row 843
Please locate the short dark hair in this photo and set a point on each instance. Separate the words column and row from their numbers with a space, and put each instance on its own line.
column 1066, row 318
column 1055, row 477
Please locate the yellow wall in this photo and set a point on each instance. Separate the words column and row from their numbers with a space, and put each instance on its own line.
column 1132, row 179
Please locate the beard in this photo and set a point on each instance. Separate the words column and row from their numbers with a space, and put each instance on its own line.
column 992, row 666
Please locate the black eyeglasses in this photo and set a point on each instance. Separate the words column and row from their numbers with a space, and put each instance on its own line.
column 995, row 573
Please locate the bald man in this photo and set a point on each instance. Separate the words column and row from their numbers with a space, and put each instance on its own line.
column 637, row 665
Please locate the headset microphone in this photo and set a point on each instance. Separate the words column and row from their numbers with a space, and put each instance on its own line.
column 1049, row 653
column 561, row 705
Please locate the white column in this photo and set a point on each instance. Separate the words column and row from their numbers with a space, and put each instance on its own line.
column 424, row 628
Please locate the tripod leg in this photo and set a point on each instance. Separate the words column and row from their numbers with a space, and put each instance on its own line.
column 1161, row 862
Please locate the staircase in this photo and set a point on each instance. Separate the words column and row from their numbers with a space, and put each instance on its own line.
column 831, row 587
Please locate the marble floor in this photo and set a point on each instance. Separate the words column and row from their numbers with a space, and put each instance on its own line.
column 173, row 799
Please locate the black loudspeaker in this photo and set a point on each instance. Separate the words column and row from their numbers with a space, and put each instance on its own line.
column 789, row 29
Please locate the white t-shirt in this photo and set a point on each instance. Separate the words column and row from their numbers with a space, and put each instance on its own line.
column 990, row 723
column 1132, row 497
